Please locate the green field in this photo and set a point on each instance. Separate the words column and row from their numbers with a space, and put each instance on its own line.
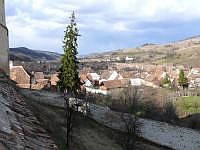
column 189, row 104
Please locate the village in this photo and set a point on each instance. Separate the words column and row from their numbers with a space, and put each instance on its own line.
column 117, row 75
column 122, row 85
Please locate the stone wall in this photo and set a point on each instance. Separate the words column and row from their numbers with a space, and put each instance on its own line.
column 4, row 48
column 162, row 133
column 38, row 86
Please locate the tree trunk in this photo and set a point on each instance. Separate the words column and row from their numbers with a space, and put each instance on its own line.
column 68, row 115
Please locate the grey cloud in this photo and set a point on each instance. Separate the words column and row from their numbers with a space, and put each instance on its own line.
column 99, row 22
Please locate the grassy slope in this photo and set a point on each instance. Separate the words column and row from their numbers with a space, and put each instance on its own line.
column 189, row 104
column 87, row 134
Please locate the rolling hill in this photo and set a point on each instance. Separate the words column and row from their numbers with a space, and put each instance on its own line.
column 25, row 54
column 185, row 51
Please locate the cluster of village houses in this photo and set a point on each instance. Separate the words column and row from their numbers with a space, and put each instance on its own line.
column 119, row 76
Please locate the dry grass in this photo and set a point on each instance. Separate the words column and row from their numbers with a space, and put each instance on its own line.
column 87, row 134
column 185, row 52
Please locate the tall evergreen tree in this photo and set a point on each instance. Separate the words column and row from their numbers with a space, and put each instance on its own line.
column 166, row 80
column 69, row 81
column 183, row 80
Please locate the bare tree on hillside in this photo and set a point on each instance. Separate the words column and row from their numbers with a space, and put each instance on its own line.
column 131, row 97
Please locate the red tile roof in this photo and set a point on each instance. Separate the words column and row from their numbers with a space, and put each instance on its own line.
column 38, row 75
column 54, row 79
column 19, row 75
column 112, row 84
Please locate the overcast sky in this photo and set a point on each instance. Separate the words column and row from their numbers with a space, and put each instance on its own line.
column 104, row 24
